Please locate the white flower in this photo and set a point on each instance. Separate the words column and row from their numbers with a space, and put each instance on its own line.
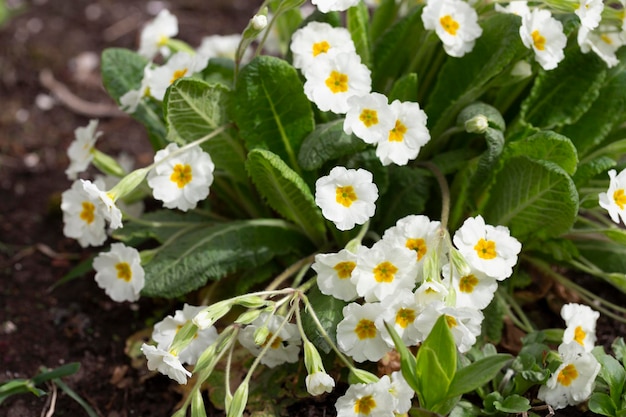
column 455, row 23
column 318, row 383
column 334, row 79
column 474, row 289
column 605, row 41
column 166, row 363
column 590, row 13
column 183, row 180
column 517, row 7
column 111, row 212
column 430, row 291
column 614, row 200
column 131, row 99
column 107, row 182
column 259, row 21
column 489, row 249
column 464, row 323
column 346, row 196
column 333, row 274
column 407, row 135
column 180, row 65
column 366, row 400
column 119, row 272
column 382, row 270
column 400, row 311
column 155, row 34
column 165, row 331
column 580, row 322
column 222, row 46
column 319, row 39
column 543, row 34
column 285, row 347
column 326, row 6
column 357, row 334
column 369, row 117
column 80, row 150
column 573, row 381
column 83, row 216
column 402, row 393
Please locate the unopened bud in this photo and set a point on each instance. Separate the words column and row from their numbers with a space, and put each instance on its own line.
column 362, row 377
column 248, row 317
column 238, row 403
column 260, row 335
column 259, row 22
column 207, row 317
column 477, row 124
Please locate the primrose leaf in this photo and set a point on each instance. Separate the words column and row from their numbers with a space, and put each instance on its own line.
column 405, row 88
column 329, row 311
column 477, row 374
column 286, row 192
column 609, row 257
column 602, row 404
column 357, row 18
column 210, row 253
column 160, row 225
column 270, row 108
column 548, row 146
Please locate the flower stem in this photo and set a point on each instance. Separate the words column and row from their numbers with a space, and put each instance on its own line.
column 445, row 191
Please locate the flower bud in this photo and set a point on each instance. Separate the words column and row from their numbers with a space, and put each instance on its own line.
column 312, row 359
column 318, row 383
column 521, row 70
column 260, row 335
column 207, row 317
column 259, row 22
column 128, row 184
column 477, row 124
column 238, row 403
column 248, row 317
column 107, row 164
column 252, row 301
column 362, row 377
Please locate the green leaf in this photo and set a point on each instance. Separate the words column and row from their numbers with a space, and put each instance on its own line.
column 194, row 109
column 327, row 142
column 436, row 364
column 561, row 96
column 329, row 311
column 602, row 404
column 357, row 19
column 608, row 257
column 587, row 170
column 60, row 372
column 215, row 251
column 270, row 108
column 408, row 362
column 477, row 374
column 122, row 71
column 493, row 324
column 548, row 146
column 286, row 192
column 612, row 372
column 219, row 70
column 532, row 198
column 405, row 88
column 513, row 404
column 463, row 80
column 383, row 16
column 494, row 118
column 160, row 225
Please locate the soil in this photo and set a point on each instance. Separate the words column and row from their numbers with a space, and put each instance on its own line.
column 45, row 326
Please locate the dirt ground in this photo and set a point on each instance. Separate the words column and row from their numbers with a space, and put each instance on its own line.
column 77, row 322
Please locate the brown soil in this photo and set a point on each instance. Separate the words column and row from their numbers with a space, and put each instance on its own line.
column 77, row 322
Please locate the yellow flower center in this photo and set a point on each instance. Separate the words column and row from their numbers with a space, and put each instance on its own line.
column 605, row 38
column 123, row 271
column 538, row 40
column 275, row 344
column 385, row 272
column 345, row 195
column 162, row 40
column 344, row 269
column 467, row 283
column 181, row 175
column 404, row 317
column 397, row 133
column 449, row 24
column 579, row 335
column 320, row 48
column 619, row 198
column 178, row 74
column 337, row 82
column 419, row 246
column 369, row 117
column 451, row 322
column 364, row 405
column 567, row 375
column 87, row 215
column 365, row 329
column 486, row 249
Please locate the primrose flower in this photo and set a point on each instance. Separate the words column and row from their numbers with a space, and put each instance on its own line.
column 180, row 65
column 166, row 363
column 604, row 41
column 119, row 272
column 614, row 200
column 464, row 323
column 346, row 196
column 181, row 181
column 334, row 79
column 516, row 7
column 491, row 250
column 131, row 99
column 402, row 393
column 455, row 22
column 333, row 274
column 317, row 380
column 400, row 311
column 543, row 34
column 156, row 33
column 111, row 212
column 83, row 216
column 369, row 117
column 407, row 135
column 357, row 334
column 366, row 400
column 430, row 291
column 165, row 331
column 590, row 13
column 580, row 322
column 285, row 347
column 573, row 381
column 80, row 150
column 383, row 270
column 326, row 6
column 222, row 46
column 319, row 39
column 474, row 289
